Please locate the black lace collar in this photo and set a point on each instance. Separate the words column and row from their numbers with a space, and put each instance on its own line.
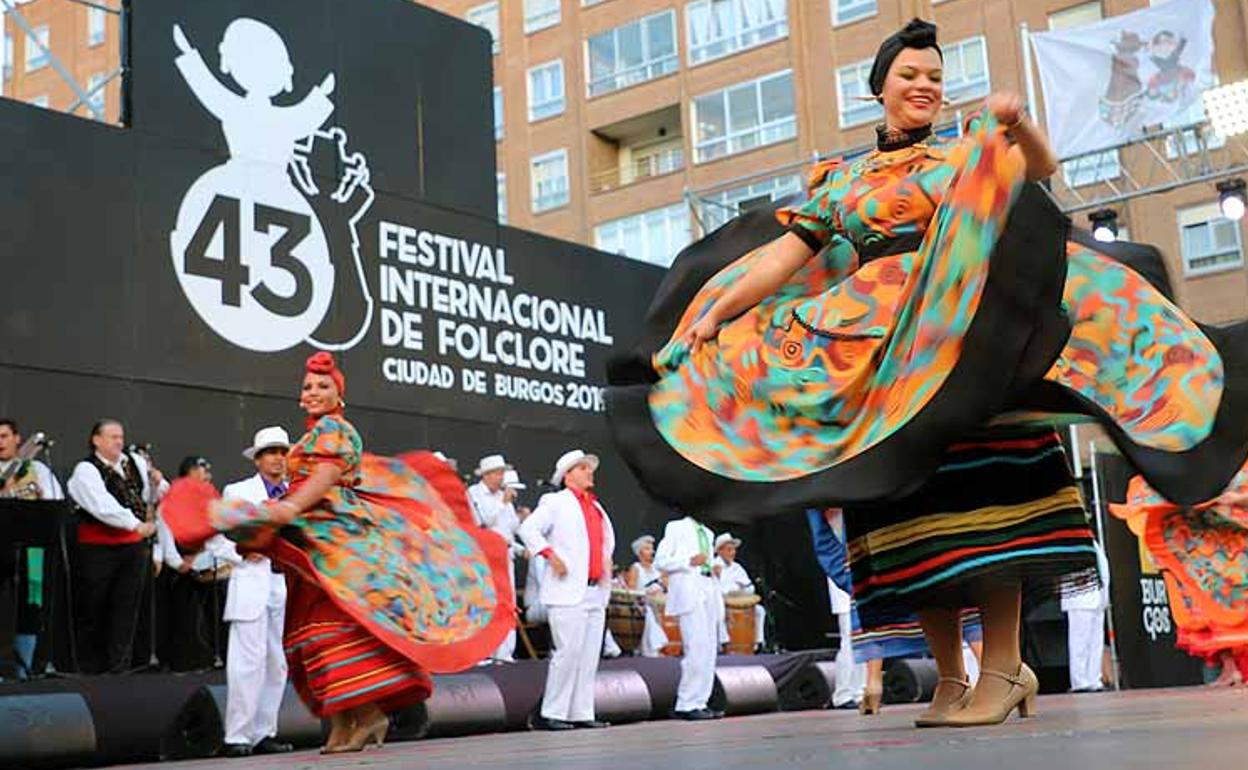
column 899, row 139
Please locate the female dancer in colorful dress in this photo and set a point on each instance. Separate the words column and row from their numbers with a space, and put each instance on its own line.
column 1202, row 551
column 388, row 578
column 903, row 351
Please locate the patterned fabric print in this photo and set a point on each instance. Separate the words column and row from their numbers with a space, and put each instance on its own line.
column 340, row 666
column 836, row 362
column 1137, row 356
column 425, row 578
column 997, row 506
column 1203, row 553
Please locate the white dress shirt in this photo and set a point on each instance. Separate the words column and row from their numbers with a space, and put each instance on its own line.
column 733, row 577
column 86, row 488
column 494, row 514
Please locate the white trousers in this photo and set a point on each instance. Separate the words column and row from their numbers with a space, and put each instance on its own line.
column 1086, row 640
column 653, row 637
column 699, row 636
column 255, row 675
column 507, row 650
column 851, row 677
column 577, row 635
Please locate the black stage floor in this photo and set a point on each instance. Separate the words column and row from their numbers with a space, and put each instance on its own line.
column 1171, row 729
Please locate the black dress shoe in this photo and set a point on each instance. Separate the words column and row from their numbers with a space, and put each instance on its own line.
column 236, row 750
column 272, row 746
column 591, row 724
column 695, row 715
column 542, row 723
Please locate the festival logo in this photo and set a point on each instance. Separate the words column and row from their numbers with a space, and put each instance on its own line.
column 268, row 258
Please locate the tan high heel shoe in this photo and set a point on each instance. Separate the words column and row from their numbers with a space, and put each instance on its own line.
column 1021, row 695
column 366, row 733
column 341, row 725
column 938, row 716
column 870, row 703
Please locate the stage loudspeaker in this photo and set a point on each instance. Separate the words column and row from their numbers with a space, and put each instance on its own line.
column 199, row 729
column 461, row 704
column 910, row 680
column 810, row 688
column 42, row 730
column 621, row 696
column 661, row 676
column 744, row 690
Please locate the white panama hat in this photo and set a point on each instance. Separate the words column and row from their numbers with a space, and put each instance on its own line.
column 511, row 480
column 267, row 438
column 725, row 539
column 570, row 460
column 491, row 463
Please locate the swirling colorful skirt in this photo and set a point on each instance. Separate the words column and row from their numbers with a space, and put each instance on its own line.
column 1202, row 552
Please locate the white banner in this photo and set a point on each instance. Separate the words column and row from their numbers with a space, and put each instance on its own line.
column 1105, row 82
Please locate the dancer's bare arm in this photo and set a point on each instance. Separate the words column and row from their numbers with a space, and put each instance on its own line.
column 779, row 261
column 1029, row 140
column 308, row 494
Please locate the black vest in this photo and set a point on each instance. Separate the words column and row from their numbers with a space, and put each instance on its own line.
column 129, row 490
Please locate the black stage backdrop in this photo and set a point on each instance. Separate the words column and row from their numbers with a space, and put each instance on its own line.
column 176, row 273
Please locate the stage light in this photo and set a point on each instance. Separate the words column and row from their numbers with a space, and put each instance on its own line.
column 1227, row 108
column 1231, row 195
column 1104, row 225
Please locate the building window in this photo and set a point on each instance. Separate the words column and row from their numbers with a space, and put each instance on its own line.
column 641, row 50
column 718, row 208
column 36, row 56
column 743, row 117
column 40, row 101
column 651, row 236
column 546, row 90
column 1090, row 169
column 501, row 180
column 721, row 27
column 549, row 174
column 498, row 113
column 540, row 14
column 966, row 70
column 95, row 26
column 95, row 94
column 1210, row 242
column 1076, row 16
column 845, row 11
column 853, row 92
column 1193, row 115
column 8, row 56
column 486, row 17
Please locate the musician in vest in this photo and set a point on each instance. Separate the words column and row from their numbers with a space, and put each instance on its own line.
column 493, row 503
column 22, row 477
column 733, row 579
column 571, row 531
column 693, row 596
column 255, row 608
column 114, row 488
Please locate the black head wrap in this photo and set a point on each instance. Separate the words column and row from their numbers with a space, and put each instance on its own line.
column 917, row 34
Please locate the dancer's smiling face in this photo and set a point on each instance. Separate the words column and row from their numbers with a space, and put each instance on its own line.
column 913, row 89
column 319, row 395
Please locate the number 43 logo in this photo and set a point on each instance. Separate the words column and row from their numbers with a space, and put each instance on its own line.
column 249, row 251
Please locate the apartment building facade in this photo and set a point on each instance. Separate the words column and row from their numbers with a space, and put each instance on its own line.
column 637, row 125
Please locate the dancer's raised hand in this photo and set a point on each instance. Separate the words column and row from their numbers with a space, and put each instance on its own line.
column 1006, row 107
column 704, row 329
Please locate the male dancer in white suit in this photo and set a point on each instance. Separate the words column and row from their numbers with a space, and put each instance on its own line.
column 255, row 607
column 572, row 532
column 692, row 596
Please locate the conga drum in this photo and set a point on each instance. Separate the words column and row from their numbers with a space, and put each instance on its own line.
column 626, row 617
column 740, row 619
column 671, row 625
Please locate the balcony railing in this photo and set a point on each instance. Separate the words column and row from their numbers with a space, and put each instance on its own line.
column 641, row 168
column 640, row 73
